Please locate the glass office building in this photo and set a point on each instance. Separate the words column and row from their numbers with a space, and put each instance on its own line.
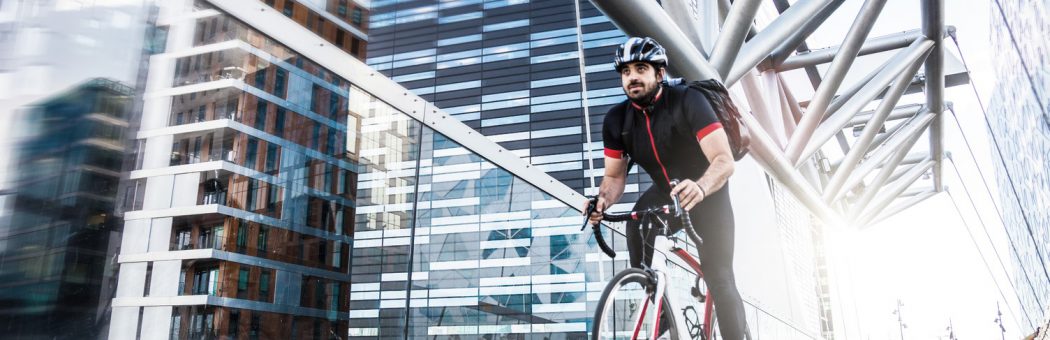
column 239, row 207
column 1019, row 113
column 59, row 232
column 536, row 77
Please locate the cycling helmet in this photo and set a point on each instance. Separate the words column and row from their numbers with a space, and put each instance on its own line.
column 640, row 49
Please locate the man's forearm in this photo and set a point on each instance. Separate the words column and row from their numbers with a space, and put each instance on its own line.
column 716, row 175
column 611, row 189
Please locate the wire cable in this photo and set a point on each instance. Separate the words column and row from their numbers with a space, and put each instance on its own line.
column 984, row 226
column 986, row 266
column 998, row 149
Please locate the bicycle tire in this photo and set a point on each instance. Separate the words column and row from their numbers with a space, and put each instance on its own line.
column 615, row 314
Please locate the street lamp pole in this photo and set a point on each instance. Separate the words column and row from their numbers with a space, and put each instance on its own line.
column 999, row 320
column 900, row 319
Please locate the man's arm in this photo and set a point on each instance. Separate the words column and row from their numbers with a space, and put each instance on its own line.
column 716, row 147
column 611, row 189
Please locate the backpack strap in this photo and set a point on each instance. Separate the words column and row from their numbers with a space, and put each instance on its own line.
column 627, row 137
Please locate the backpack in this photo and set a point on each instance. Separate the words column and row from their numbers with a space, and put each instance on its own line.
column 725, row 110
column 728, row 114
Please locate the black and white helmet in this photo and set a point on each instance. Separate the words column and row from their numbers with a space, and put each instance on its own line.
column 640, row 49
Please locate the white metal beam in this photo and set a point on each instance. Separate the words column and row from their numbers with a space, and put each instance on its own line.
column 840, row 118
column 933, row 28
column 859, row 148
column 891, row 191
column 833, row 78
column 897, row 146
column 731, row 39
column 647, row 18
column 772, row 36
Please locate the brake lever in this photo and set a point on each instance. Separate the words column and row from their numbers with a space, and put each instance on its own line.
column 590, row 210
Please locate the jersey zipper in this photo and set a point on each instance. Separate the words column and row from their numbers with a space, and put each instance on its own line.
column 652, row 142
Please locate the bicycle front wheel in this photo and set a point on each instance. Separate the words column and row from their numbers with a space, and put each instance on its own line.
column 626, row 308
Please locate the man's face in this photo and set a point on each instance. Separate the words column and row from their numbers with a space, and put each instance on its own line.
column 640, row 80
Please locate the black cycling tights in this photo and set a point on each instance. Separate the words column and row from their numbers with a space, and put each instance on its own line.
column 713, row 221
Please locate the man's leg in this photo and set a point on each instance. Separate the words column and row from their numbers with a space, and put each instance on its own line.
column 636, row 242
column 714, row 222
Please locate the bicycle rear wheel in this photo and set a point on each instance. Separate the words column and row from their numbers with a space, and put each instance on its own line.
column 625, row 310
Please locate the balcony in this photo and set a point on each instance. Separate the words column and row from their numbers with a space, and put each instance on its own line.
column 203, row 146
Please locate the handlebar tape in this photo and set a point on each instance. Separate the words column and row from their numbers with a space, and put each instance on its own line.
column 601, row 241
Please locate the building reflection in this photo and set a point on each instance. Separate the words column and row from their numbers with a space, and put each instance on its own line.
column 60, row 236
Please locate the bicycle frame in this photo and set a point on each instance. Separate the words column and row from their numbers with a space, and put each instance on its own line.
column 662, row 246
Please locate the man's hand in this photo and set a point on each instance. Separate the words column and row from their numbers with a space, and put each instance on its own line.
column 689, row 194
column 596, row 216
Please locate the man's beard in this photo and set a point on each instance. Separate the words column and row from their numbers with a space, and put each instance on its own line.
column 644, row 98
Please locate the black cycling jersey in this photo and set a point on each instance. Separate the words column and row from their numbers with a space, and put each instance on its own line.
column 665, row 139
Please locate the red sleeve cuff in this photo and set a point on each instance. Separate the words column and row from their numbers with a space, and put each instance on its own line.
column 618, row 154
column 708, row 130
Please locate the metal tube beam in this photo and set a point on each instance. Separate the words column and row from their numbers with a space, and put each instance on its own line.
column 763, row 147
column 896, row 146
column 775, row 33
column 912, row 201
column 885, row 197
column 933, row 29
column 832, row 191
column 756, row 98
column 642, row 18
column 647, row 18
column 846, row 95
column 871, row 46
column 732, row 37
column 789, row 97
column 782, row 52
column 787, row 112
column 838, row 120
column 909, row 159
column 833, row 78
column 900, row 112
column 682, row 15
column 882, row 138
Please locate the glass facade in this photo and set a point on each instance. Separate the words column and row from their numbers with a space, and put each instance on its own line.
column 58, row 231
column 239, row 212
column 1019, row 113
column 457, row 246
column 511, row 70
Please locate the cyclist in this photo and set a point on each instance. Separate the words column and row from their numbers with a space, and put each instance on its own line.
column 699, row 156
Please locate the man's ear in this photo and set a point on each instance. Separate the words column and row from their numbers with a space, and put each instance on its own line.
column 660, row 73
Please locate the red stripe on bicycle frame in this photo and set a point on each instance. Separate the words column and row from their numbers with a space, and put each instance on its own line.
column 656, row 325
column 641, row 317
column 690, row 260
column 709, row 307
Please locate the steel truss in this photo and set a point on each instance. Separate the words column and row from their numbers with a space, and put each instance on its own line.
column 787, row 135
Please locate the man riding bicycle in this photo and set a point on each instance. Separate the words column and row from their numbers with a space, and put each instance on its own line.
column 673, row 132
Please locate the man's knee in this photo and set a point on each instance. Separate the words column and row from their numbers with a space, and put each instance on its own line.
column 720, row 279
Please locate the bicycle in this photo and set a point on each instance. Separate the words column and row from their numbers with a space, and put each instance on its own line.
column 623, row 310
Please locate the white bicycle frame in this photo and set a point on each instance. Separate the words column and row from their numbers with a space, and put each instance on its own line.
column 663, row 245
